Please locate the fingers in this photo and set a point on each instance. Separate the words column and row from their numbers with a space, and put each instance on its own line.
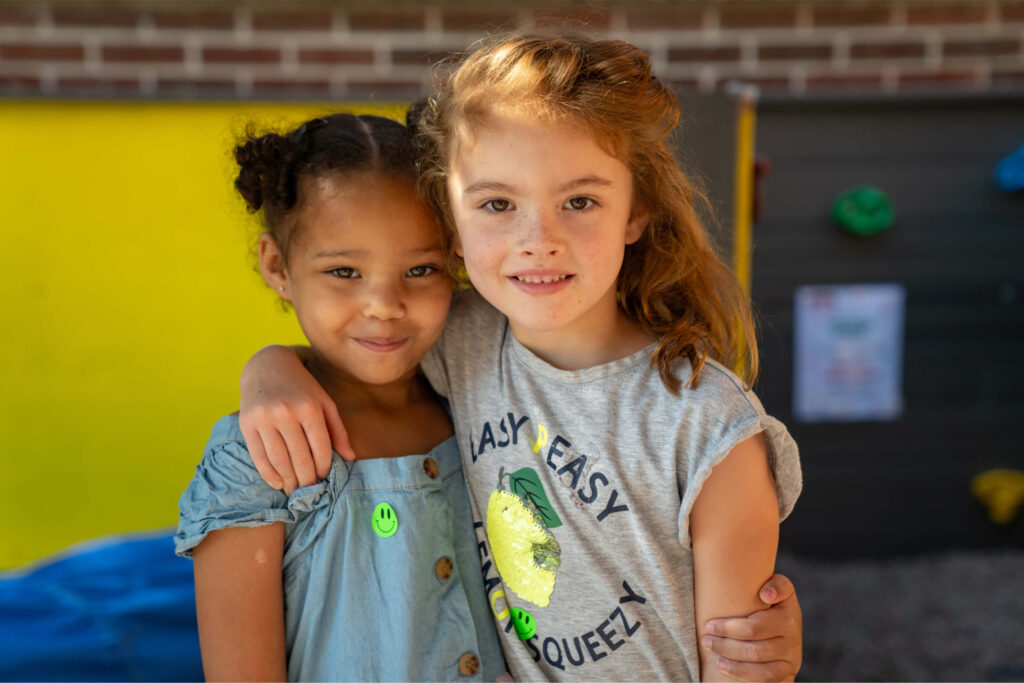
column 769, row 650
column 758, row 626
column 319, row 446
column 338, row 433
column 254, row 442
column 277, row 453
column 766, row 671
column 298, row 450
column 776, row 589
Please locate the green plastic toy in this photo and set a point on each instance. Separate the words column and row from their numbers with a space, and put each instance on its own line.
column 385, row 521
column 524, row 624
column 863, row 210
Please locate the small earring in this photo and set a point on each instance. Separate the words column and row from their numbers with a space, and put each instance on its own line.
column 281, row 288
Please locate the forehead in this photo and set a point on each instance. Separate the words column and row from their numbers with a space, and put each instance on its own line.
column 521, row 143
column 366, row 209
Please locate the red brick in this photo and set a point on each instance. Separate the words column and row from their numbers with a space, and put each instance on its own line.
column 584, row 18
column 859, row 82
column 140, row 53
column 475, row 19
column 49, row 53
column 196, row 19
column 964, row 48
column 101, row 86
column 235, row 55
column 1011, row 11
column 672, row 17
column 941, row 78
column 18, row 16
column 291, row 87
column 190, row 85
column 703, row 54
column 11, row 83
column 845, row 15
column 757, row 15
column 886, row 50
column 932, row 13
column 94, row 16
column 784, row 52
column 426, row 57
column 291, row 21
column 335, row 56
column 386, row 21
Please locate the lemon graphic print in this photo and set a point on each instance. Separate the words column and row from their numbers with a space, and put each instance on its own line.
column 518, row 521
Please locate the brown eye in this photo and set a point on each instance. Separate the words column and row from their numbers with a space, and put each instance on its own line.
column 344, row 273
column 420, row 271
column 579, row 203
column 498, row 205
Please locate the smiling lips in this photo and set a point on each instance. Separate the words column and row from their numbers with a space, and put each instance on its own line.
column 381, row 344
column 541, row 281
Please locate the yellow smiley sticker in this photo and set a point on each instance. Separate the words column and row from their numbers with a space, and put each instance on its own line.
column 385, row 521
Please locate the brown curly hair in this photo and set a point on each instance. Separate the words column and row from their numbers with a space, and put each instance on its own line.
column 671, row 283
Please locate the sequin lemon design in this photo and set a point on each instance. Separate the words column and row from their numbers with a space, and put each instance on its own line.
column 518, row 523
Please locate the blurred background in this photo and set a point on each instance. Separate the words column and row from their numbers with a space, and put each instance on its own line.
column 865, row 161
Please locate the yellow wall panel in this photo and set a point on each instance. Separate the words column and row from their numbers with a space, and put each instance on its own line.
column 131, row 304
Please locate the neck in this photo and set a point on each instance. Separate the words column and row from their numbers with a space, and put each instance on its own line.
column 604, row 335
column 350, row 394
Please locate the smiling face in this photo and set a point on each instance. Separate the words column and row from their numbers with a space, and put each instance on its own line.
column 543, row 216
column 385, row 522
column 364, row 274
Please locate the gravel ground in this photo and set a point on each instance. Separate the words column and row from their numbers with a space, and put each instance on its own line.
column 949, row 617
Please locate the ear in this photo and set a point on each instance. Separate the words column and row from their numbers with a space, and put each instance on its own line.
column 272, row 265
column 457, row 246
column 636, row 226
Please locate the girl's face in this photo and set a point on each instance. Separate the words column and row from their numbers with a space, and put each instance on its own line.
column 543, row 218
column 364, row 274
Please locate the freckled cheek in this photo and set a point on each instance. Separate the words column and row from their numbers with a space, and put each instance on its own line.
column 483, row 256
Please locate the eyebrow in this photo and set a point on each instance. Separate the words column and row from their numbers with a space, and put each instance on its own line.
column 362, row 253
column 493, row 186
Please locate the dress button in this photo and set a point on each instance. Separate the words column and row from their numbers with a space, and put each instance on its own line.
column 468, row 664
column 430, row 467
column 443, row 569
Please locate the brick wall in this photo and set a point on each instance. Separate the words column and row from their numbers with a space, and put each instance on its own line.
column 383, row 50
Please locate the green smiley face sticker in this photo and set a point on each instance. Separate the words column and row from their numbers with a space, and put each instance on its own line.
column 385, row 522
column 524, row 624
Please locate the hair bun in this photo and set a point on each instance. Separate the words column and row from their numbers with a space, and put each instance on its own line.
column 261, row 161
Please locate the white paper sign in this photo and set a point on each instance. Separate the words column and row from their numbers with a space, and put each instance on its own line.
column 848, row 352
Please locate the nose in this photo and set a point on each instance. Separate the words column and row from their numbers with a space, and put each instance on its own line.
column 541, row 235
column 384, row 301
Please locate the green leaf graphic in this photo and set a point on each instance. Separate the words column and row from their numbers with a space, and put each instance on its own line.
column 526, row 483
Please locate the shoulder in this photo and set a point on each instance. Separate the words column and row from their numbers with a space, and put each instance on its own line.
column 226, row 430
column 470, row 310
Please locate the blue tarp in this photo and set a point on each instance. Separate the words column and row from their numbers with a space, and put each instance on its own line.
column 116, row 609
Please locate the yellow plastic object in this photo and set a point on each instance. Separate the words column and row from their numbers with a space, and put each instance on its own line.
column 1001, row 491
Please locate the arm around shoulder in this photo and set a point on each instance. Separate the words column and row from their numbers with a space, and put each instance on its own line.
column 734, row 529
column 240, row 604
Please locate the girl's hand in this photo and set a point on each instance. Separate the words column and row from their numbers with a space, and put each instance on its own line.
column 289, row 422
column 765, row 646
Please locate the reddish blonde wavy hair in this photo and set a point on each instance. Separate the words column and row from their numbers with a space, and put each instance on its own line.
column 671, row 283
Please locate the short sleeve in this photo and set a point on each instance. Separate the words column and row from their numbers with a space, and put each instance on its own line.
column 433, row 367
column 739, row 418
column 470, row 320
column 226, row 491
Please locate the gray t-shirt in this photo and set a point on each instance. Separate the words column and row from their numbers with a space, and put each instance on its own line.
column 582, row 484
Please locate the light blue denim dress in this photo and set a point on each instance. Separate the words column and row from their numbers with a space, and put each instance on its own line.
column 359, row 606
